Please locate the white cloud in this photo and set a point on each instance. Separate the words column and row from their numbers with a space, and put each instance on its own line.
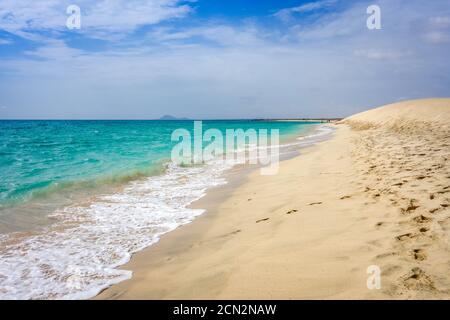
column 55, row 50
column 437, row 30
column 26, row 17
column 440, row 22
column 286, row 14
column 127, row 15
column 221, row 34
column 378, row 54
column 240, row 70
column 437, row 37
column 5, row 41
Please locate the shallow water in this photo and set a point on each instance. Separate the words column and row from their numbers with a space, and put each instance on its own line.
column 88, row 194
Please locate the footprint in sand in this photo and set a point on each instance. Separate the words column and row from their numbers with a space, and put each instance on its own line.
column 411, row 207
column 424, row 229
column 417, row 279
column 419, row 254
column 422, row 219
column 314, row 203
column 232, row 233
column 405, row 236
column 262, row 220
column 292, row 211
column 385, row 255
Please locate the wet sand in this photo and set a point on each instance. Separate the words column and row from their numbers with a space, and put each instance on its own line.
column 377, row 193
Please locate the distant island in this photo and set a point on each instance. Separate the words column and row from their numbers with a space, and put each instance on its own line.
column 171, row 118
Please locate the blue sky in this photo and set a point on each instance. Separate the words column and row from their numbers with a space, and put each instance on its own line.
column 141, row 59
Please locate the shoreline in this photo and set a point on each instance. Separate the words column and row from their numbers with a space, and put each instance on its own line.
column 126, row 222
column 372, row 196
column 180, row 240
column 235, row 177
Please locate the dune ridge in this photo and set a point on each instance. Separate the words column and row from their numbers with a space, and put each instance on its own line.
column 413, row 115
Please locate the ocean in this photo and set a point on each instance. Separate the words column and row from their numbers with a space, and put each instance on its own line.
column 78, row 198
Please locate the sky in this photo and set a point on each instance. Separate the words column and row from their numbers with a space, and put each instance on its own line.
column 211, row 59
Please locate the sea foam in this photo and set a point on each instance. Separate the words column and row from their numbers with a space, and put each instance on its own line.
column 78, row 255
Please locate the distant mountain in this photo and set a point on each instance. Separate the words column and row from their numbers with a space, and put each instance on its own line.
column 168, row 117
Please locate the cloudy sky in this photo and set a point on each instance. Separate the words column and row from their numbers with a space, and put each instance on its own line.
column 141, row 59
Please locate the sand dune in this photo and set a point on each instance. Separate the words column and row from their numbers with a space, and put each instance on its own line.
column 377, row 193
column 403, row 158
column 406, row 114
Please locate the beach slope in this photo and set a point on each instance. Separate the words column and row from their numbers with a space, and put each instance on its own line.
column 376, row 194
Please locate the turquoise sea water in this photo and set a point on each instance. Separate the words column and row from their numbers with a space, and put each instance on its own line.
column 39, row 157
column 85, row 195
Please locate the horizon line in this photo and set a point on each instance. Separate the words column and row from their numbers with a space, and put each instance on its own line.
column 193, row 119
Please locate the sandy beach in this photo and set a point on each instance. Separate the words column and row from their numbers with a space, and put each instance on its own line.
column 376, row 194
